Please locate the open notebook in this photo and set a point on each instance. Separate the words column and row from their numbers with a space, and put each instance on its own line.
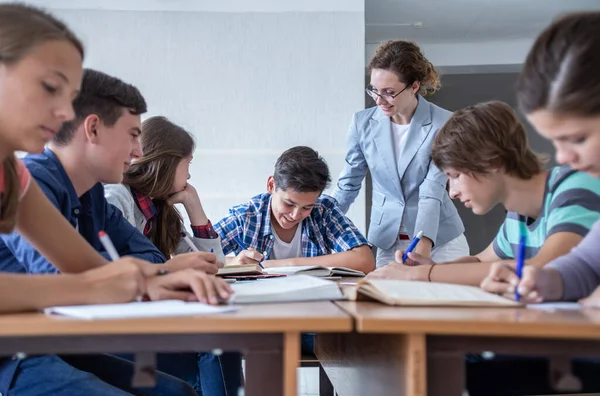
column 316, row 271
column 291, row 288
column 407, row 293
column 138, row 310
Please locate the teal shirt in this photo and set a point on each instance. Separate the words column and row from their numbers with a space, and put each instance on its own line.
column 571, row 204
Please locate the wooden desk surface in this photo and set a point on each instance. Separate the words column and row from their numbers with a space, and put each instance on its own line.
column 508, row 322
column 319, row 316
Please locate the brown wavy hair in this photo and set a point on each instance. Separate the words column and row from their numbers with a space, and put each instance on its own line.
column 406, row 60
column 483, row 137
column 164, row 145
column 23, row 27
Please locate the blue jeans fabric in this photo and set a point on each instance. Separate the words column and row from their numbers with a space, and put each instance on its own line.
column 524, row 375
column 307, row 343
column 209, row 375
column 52, row 375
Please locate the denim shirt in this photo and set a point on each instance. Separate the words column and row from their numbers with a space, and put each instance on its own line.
column 89, row 213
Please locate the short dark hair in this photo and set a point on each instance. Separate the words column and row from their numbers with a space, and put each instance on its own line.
column 105, row 96
column 302, row 169
column 560, row 73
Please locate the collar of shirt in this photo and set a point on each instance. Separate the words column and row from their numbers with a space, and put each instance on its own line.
column 76, row 202
column 145, row 204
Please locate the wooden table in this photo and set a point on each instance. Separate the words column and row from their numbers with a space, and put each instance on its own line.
column 420, row 351
column 267, row 334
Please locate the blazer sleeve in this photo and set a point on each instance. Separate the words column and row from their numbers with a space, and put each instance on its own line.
column 431, row 194
column 355, row 169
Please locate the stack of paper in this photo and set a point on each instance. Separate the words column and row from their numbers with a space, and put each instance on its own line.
column 292, row 288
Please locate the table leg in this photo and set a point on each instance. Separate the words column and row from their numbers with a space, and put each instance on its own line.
column 374, row 364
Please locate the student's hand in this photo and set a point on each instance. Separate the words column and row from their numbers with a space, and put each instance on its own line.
column 400, row 272
column 423, row 248
column 249, row 256
column 536, row 285
column 201, row 261
column 188, row 285
column 413, row 259
column 116, row 282
column 191, row 202
column 188, row 196
column 593, row 300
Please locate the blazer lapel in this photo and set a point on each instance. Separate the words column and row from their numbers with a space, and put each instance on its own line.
column 381, row 129
column 417, row 133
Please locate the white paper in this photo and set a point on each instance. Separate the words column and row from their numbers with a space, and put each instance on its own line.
column 556, row 306
column 291, row 288
column 138, row 310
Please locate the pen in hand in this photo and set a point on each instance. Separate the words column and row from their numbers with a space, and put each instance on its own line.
column 243, row 246
column 412, row 245
column 112, row 252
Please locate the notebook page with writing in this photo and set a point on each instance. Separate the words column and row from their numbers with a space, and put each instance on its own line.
column 395, row 292
column 138, row 310
column 291, row 288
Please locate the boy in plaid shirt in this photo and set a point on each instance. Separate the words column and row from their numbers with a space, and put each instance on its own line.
column 293, row 223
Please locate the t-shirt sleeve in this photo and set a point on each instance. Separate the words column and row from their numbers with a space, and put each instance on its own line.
column 575, row 205
column 24, row 177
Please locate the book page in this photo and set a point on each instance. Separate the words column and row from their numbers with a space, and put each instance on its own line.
column 138, row 310
column 288, row 270
column 430, row 293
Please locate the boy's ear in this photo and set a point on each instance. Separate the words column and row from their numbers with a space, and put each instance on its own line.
column 90, row 127
column 271, row 185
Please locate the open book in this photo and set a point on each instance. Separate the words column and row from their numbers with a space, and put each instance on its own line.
column 316, row 271
column 138, row 310
column 242, row 269
column 408, row 293
column 287, row 289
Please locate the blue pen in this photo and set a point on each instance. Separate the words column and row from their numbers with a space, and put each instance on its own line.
column 520, row 257
column 414, row 242
column 241, row 244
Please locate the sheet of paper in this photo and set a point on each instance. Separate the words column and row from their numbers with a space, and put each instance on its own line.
column 556, row 306
column 138, row 310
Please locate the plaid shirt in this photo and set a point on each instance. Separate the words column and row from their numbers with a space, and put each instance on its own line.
column 324, row 231
column 149, row 210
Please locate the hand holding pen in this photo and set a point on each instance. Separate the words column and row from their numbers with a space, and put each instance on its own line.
column 248, row 255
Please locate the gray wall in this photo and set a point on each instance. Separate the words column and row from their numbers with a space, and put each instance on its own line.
column 461, row 90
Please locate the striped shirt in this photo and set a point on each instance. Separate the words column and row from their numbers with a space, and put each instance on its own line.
column 324, row 231
column 571, row 204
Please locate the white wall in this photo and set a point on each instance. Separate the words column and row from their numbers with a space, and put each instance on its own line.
column 248, row 84
column 473, row 53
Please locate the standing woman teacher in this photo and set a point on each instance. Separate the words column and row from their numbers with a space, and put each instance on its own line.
column 393, row 141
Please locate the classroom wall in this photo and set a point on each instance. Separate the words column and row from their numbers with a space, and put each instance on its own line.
column 249, row 83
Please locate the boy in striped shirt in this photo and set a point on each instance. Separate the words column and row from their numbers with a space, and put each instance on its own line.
column 483, row 149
